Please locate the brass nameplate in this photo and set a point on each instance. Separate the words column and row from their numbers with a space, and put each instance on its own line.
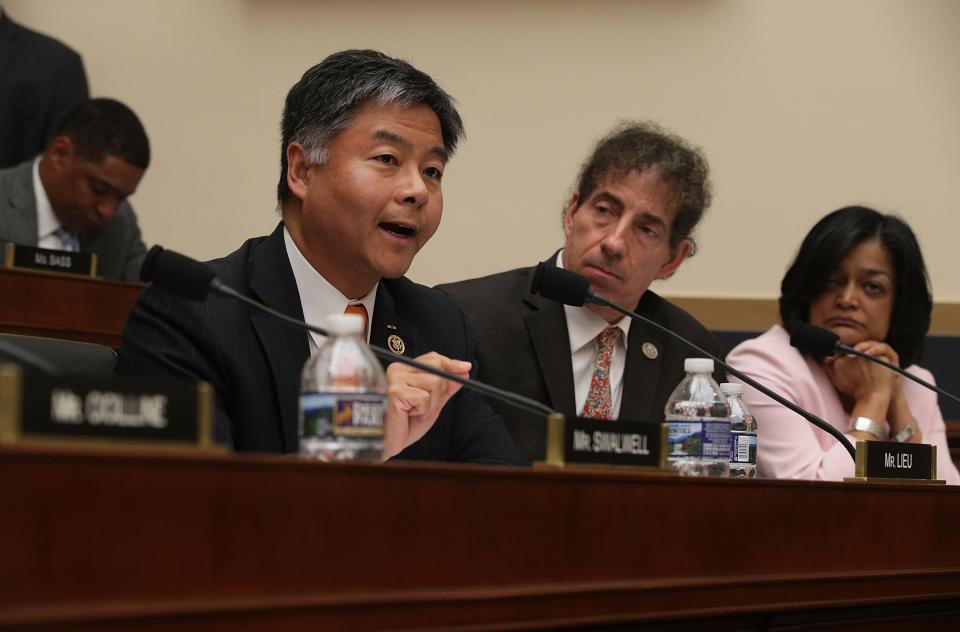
column 46, row 260
column 893, row 462
column 36, row 408
column 618, row 443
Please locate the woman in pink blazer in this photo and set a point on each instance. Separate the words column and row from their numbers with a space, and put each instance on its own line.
column 860, row 274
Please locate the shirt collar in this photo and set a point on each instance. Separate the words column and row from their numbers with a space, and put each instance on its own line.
column 583, row 325
column 47, row 221
column 318, row 297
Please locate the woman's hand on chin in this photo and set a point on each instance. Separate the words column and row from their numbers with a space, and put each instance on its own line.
column 871, row 386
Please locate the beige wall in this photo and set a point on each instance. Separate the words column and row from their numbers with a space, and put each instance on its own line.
column 801, row 106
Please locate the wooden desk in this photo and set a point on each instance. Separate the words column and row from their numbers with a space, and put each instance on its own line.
column 60, row 306
column 121, row 541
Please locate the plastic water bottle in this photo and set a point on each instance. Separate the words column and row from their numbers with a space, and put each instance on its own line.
column 743, row 433
column 343, row 397
column 698, row 423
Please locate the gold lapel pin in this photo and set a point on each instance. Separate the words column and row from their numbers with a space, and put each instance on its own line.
column 396, row 344
column 650, row 350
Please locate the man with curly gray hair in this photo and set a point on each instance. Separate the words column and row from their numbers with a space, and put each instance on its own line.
column 629, row 222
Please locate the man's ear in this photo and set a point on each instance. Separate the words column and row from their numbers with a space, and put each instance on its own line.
column 568, row 214
column 59, row 151
column 680, row 252
column 298, row 170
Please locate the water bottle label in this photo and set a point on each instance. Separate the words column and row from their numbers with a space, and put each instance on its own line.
column 343, row 414
column 704, row 438
column 743, row 447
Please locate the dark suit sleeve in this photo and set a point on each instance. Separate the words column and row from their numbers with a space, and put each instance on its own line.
column 467, row 430
column 482, row 436
column 70, row 88
column 168, row 337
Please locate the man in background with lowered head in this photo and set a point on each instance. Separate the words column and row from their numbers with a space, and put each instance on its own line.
column 366, row 140
column 629, row 222
column 73, row 196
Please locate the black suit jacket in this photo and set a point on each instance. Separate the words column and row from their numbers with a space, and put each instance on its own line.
column 253, row 361
column 522, row 345
column 39, row 78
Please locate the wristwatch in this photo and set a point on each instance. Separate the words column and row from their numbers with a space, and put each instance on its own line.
column 908, row 431
column 879, row 429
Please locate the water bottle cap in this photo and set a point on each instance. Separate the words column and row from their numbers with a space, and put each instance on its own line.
column 732, row 388
column 698, row 365
column 344, row 324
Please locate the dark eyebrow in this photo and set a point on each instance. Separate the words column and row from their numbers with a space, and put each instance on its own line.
column 650, row 218
column 390, row 137
column 609, row 197
column 108, row 187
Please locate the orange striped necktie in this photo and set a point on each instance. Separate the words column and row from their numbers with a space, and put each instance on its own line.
column 361, row 311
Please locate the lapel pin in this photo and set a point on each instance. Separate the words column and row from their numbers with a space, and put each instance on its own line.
column 396, row 344
column 650, row 350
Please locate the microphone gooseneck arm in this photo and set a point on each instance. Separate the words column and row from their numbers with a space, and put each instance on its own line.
column 519, row 401
column 819, row 342
column 593, row 297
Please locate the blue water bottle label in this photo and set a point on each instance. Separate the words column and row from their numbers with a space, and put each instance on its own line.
column 342, row 414
column 716, row 440
column 685, row 438
column 360, row 415
column 705, row 438
column 317, row 414
column 743, row 447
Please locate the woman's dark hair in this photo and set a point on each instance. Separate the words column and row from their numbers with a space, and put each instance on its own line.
column 825, row 246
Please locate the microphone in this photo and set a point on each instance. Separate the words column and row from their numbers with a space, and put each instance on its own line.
column 820, row 343
column 562, row 286
column 191, row 279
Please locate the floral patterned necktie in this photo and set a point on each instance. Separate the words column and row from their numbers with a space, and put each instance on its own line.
column 599, row 404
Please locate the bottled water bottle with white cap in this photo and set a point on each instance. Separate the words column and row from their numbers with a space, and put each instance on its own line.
column 743, row 433
column 343, row 397
column 698, row 423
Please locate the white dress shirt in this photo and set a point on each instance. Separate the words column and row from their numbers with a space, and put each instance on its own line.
column 583, row 327
column 318, row 297
column 47, row 222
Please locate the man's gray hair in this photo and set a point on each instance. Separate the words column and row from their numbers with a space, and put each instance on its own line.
column 634, row 146
column 326, row 99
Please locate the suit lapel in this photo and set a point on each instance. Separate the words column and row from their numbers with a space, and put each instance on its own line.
column 641, row 375
column 388, row 330
column 547, row 326
column 285, row 346
column 22, row 206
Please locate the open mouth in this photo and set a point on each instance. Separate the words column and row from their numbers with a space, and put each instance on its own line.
column 399, row 230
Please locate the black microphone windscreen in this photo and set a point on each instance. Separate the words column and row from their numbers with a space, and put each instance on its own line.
column 559, row 285
column 146, row 268
column 815, row 341
column 177, row 273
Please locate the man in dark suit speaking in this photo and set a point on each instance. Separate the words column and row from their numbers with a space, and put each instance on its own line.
column 629, row 222
column 366, row 139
